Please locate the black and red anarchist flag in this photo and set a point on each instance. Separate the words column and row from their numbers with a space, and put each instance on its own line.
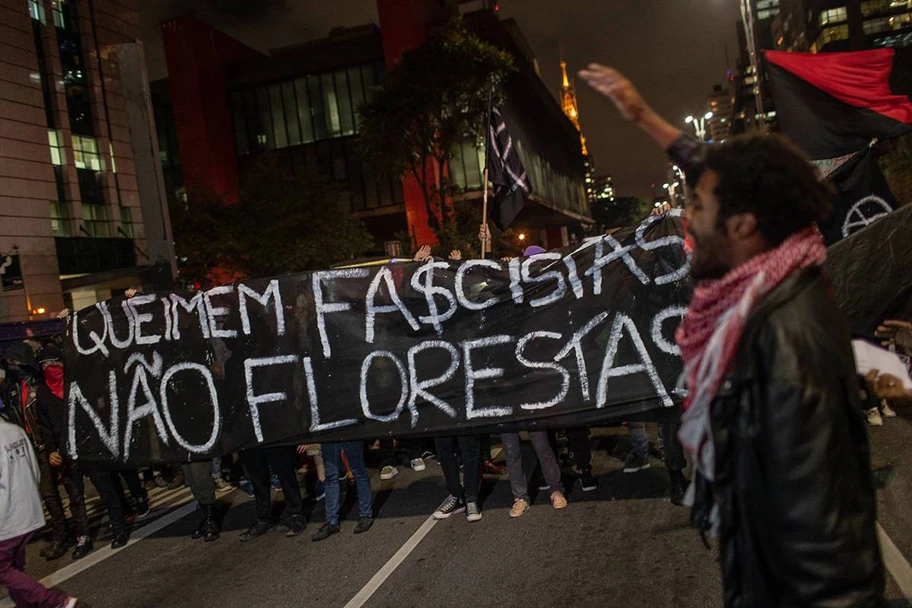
column 833, row 104
column 836, row 106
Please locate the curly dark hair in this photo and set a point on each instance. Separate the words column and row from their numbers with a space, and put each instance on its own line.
column 770, row 177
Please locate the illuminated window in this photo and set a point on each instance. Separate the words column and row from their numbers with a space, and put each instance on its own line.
column 873, row 26
column 833, row 15
column 833, row 34
column 55, row 143
column 111, row 151
column 36, row 10
column 873, row 7
column 85, row 153
column 57, row 13
column 58, row 219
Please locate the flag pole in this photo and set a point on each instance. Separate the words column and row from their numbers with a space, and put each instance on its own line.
column 484, row 212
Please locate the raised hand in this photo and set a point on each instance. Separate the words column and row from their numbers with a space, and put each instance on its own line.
column 423, row 254
column 455, row 255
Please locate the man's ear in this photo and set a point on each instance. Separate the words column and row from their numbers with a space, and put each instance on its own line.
column 742, row 226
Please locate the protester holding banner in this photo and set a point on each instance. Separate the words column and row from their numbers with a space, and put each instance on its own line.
column 550, row 470
column 463, row 495
column 280, row 459
column 773, row 414
column 332, row 460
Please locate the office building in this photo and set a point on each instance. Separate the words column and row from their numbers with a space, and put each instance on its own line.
column 81, row 203
column 843, row 25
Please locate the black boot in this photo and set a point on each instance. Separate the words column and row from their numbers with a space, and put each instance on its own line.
column 678, row 487
column 208, row 528
column 57, row 550
column 120, row 539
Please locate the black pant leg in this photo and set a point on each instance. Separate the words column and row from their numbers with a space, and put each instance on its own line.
column 282, row 460
column 258, row 472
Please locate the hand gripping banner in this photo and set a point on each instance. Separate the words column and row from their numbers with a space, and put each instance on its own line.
column 573, row 337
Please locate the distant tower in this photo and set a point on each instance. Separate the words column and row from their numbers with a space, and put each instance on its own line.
column 571, row 109
column 568, row 103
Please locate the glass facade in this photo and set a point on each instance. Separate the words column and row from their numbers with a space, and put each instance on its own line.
column 303, row 110
column 312, row 120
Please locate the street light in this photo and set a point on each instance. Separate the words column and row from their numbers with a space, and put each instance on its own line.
column 699, row 124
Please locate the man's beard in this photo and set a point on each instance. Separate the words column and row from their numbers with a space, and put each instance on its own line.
column 711, row 259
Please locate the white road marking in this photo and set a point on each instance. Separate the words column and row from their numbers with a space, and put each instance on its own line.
column 389, row 567
column 897, row 565
column 400, row 556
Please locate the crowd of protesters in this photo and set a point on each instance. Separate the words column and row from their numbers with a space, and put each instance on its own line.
column 773, row 418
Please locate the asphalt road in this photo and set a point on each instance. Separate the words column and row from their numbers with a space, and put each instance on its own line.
column 624, row 544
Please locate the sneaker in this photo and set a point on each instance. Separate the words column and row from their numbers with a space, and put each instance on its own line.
column 70, row 602
column 418, row 464
column 275, row 483
column 635, row 462
column 388, row 472
column 83, row 547
column 587, row 481
column 221, row 485
column 473, row 513
column 178, row 481
column 558, row 500
column 364, row 524
column 319, row 491
column 427, row 454
column 326, row 530
column 520, row 506
column 452, row 505
column 142, row 507
column 247, row 487
column 159, row 481
column 887, row 410
column 297, row 525
column 260, row 528
column 874, row 418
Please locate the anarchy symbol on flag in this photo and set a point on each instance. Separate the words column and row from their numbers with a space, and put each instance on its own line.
column 864, row 213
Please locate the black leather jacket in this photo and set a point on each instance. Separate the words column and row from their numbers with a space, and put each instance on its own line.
column 793, row 481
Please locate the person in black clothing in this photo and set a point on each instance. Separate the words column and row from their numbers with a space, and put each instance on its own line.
column 281, row 460
column 34, row 399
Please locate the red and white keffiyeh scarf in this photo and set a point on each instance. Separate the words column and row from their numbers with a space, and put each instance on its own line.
column 709, row 334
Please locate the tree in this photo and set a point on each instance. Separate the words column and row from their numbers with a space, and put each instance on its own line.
column 434, row 98
column 282, row 223
column 621, row 212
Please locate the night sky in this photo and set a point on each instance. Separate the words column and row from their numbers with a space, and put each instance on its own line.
column 674, row 50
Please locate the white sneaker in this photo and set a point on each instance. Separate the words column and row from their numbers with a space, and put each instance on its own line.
column 887, row 410
column 71, row 602
column 388, row 472
column 418, row 465
column 473, row 513
column 874, row 418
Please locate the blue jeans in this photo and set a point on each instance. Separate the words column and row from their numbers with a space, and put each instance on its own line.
column 332, row 460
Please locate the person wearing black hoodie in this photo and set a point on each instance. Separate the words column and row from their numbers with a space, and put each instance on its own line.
column 34, row 398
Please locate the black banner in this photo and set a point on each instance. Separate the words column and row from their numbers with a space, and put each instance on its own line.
column 580, row 336
column 863, row 194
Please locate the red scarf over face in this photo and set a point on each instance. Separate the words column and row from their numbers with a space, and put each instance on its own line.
column 712, row 327
column 53, row 377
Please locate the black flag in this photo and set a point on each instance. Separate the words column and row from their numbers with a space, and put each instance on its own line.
column 864, row 196
column 506, row 172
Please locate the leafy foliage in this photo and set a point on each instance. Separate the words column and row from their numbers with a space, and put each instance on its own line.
column 433, row 99
column 282, row 223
